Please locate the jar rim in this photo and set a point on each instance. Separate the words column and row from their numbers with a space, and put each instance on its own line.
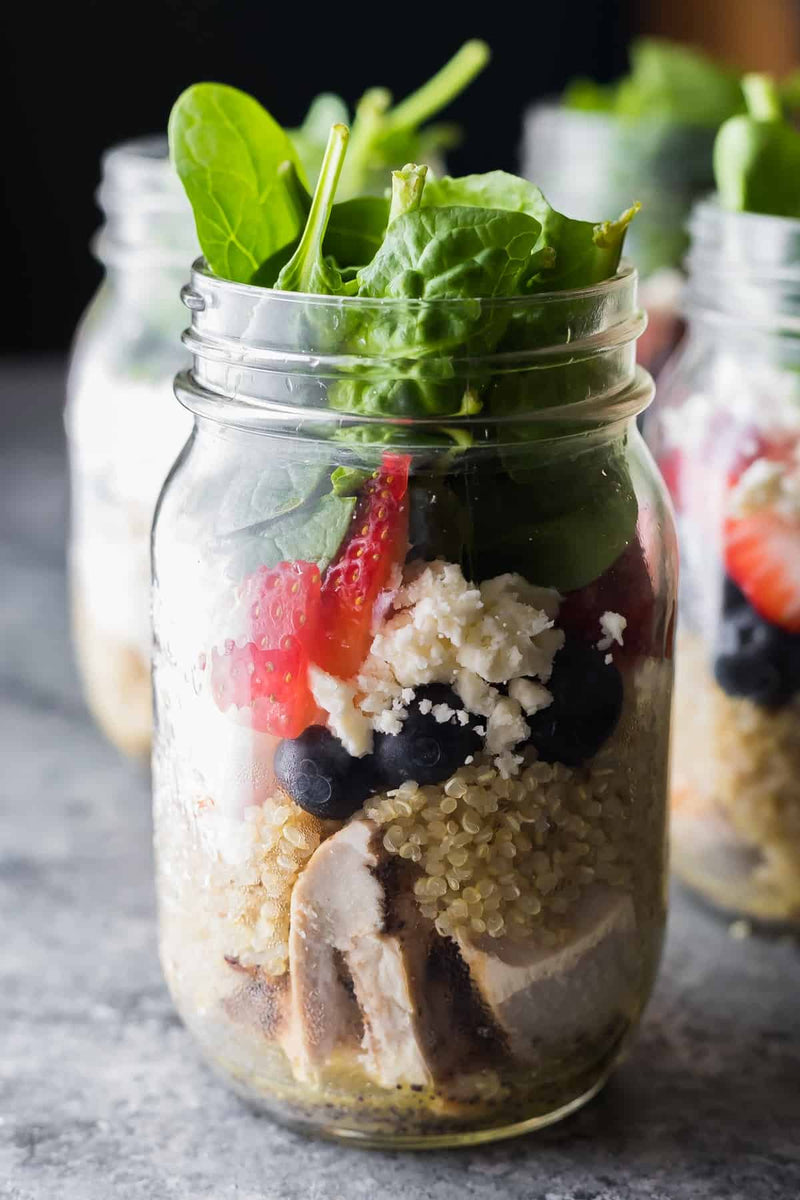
column 262, row 356
column 743, row 269
column 624, row 277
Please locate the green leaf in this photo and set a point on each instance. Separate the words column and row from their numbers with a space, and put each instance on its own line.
column 252, row 496
column 667, row 82
column 308, row 270
column 385, row 137
column 227, row 150
column 353, row 237
column 757, row 156
column 451, row 253
column 585, row 253
column 312, row 533
column 563, row 518
column 407, row 186
column 348, row 481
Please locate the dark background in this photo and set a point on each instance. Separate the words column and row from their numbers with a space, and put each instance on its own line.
column 77, row 78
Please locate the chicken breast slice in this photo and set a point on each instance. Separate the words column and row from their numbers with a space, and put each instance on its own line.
column 350, row 980
column 540, row 996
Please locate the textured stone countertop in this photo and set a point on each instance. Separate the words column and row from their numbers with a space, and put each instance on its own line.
column 101, row 1092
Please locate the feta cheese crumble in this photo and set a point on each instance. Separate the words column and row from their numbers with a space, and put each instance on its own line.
column 612, row 625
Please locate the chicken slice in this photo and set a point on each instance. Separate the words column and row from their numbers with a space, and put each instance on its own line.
column 542, row 996
column 366, row 967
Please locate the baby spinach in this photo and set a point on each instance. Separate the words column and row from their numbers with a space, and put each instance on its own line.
column 757, row 156
column 667, row 82
column 308, row 270
column 583, row 253
column 227, row 150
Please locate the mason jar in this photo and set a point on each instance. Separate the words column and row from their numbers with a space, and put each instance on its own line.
column 593, row 162
column 413, row 620
column 124, row 429
column 727, row 436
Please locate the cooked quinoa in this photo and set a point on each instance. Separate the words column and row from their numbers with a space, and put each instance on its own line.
column 507, row 857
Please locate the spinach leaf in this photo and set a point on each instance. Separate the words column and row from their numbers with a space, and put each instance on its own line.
column 585, row 253
column 667, row 82
column 348, row 481
column 308, row 270
column 455, row 254
column 353, row 237
column 407, row 186
column 312, row 533
column 560, row 520
column 227, row 150
column 383, row 137
column 451, row 254
column 757, row 156
column 252, row 496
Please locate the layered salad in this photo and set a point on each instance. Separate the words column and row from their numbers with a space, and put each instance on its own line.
column 730, row 451
column 412, row 684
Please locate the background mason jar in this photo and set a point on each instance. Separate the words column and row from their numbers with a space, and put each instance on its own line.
column 725, row 434
column 593, row 165
column 124, row 429
column 550, row 480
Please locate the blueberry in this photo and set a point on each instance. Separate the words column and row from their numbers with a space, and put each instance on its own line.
column 321, row 776
column 754, row 658
column 587, row 701
column 426, row 750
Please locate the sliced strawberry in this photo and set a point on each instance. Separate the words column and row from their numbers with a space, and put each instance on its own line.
column 780, row 449
column 377, row 540
column 282, row 600
column 269, row 674
column 762, row 555
column 273, row 684
column 627, row 588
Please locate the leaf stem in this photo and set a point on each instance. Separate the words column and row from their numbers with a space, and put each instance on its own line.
column 445, row 85
column 407, row 188
column 762, row 97
column 297, row 275
column 368, row 124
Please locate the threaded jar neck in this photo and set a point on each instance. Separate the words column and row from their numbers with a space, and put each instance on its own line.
column 559, row 359
column 148, row 221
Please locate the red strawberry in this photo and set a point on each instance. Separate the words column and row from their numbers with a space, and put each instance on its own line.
column 273, row 684
column 627, row 588
column 376, row 542
column 269, row 674
column 762, row 555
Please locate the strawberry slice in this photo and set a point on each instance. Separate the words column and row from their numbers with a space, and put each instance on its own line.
column 762, row 555
column 269, row 673
column 377, row 540
column 627, row 588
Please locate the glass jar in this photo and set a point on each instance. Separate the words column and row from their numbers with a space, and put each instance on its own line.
column 727, row 435
column 124, row 429
column 434, row 917
column 590, row 163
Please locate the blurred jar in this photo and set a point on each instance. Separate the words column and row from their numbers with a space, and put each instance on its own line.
column 399, row 903
column 124, row 429
column 727, row 437
column 591, row 163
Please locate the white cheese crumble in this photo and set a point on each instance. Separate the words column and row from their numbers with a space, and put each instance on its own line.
column 442, row 629
column 612, row 625
column 345, row 720
column 529, row 695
